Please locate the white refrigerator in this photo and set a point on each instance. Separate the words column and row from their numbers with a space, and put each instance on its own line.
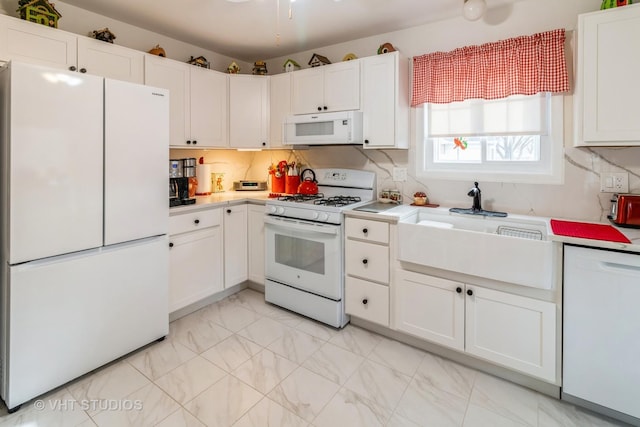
column 84, row 218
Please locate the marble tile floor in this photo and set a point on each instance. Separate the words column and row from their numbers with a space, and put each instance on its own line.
column 243, row 363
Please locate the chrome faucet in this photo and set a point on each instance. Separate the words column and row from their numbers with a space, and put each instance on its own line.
column 477, row 200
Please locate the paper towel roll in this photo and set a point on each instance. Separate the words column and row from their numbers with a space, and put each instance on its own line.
column 203, row 173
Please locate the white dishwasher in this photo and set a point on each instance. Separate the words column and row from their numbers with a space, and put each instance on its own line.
column 601, row 340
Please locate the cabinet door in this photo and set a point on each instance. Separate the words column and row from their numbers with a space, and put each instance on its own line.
column 378, row 100
column 610, row 102
column 307, row 91
column 342, row 86
column 209, row 104
column 248, row 111
column 235, row 245
column 36, row 44
column 255, row 227
column 195, row 267
column 172, row 75
column 280, row 107
column 512, row 330
column 430, row 308
column 109, row 60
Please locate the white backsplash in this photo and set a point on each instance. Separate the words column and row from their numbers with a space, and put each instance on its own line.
column 578, row 198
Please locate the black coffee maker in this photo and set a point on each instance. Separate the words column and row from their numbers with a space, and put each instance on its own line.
column 178, row 185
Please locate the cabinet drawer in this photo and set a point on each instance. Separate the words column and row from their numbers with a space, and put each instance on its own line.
column 367, row 260
column 373, row 231
column 191, row 221
column 366, row 300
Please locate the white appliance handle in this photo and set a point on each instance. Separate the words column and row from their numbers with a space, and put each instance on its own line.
column 293, row 224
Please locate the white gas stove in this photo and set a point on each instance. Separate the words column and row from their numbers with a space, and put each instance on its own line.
column 304, row 262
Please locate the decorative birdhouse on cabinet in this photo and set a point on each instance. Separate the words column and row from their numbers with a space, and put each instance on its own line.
column 290, row 65
column 233, row 68
column 39, row 11
column 259, row 68
column 318, row 60
column 104, row 35
column 200, row 61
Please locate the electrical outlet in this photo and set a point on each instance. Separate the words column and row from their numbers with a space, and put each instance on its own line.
column 614, row 182
column 399, row 174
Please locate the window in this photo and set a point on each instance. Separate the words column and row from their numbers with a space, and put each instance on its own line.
column 514, row 139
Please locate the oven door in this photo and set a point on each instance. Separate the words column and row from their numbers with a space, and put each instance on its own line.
column 304, row 255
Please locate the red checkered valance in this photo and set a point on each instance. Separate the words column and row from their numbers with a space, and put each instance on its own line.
column 519, row 66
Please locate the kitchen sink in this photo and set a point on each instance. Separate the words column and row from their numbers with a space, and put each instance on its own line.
column 513, row 249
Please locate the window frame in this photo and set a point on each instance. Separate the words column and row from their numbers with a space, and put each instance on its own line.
column 550, row 171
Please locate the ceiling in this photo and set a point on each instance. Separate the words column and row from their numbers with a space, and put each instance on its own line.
column 246, row 29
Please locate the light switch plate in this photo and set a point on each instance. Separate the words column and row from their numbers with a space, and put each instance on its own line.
column 617, row 182
column 399, row 174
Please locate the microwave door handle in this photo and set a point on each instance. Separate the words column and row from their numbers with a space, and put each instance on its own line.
column 295, row 225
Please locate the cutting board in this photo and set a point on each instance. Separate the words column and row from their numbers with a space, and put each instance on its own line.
column 585, row 230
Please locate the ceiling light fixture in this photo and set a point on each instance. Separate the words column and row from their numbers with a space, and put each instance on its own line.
column 472, row 10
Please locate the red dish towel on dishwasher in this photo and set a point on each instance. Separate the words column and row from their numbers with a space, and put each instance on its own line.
column 585, row 230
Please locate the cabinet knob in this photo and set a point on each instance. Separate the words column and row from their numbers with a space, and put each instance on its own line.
column 366, row 141
column 365, row 301
column 365, row 261
column 196, row 222
column 195, row 142
column 319, row 108
column 83, row 70
column 365, row 230
column 188, row 142
column 72, row 68
column 170, row 244
column 324, row 108
column 459, row 290
column 228, row 211
column 469, row 292
column 264, row 144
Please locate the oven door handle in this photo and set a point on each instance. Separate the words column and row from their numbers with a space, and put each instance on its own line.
column 296, row 225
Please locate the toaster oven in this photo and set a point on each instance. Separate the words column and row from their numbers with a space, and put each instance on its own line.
column 625, row 210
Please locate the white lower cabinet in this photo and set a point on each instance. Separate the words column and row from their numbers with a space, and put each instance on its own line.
column 235, row 245
column 255, row 229
column 195, row 261
column 511, row 330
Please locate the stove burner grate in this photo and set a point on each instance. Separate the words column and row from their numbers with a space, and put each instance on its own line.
column 337, row 201
column 298, row 198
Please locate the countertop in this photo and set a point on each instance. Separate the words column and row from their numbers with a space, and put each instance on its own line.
column 394, row 214
column 225, row 198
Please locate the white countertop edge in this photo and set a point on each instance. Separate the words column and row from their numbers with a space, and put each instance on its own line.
column 226, row 198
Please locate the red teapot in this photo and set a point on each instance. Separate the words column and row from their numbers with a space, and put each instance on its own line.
column 309, row 184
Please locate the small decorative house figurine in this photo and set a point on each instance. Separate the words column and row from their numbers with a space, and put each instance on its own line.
column 233, row 68
column 200, row 61
column 104, row 34
column 318, row 60
column 290, row 65
column 386, row 48
column 158, row 51
column 349, row 57
column 259, row 68
column 39, row 11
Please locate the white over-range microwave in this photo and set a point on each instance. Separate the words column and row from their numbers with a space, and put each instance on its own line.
column 344, row 127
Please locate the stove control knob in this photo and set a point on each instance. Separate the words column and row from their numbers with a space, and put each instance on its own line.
column 280, row 210
column 273, row 209
column 323, row 217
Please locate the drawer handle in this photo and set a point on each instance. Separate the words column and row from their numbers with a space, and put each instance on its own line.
column 365, row 261
column 459, row 290
column 365, row 301
column 228, row 211
column 196, row 222
column 195, row 142
column 72, row 68
column 170, row 244
column 469, row 292
column 365, row 230
column 83, row 70
column 189, row 142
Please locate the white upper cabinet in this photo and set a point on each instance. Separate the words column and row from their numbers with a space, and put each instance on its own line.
column 38, row 44
column 334, row 87
column 280, row 107
column 607, row 107
column 198, row 101
column 385, row 101
column 248, row 111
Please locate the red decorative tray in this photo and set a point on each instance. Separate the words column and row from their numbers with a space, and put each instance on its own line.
column 585, row 230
